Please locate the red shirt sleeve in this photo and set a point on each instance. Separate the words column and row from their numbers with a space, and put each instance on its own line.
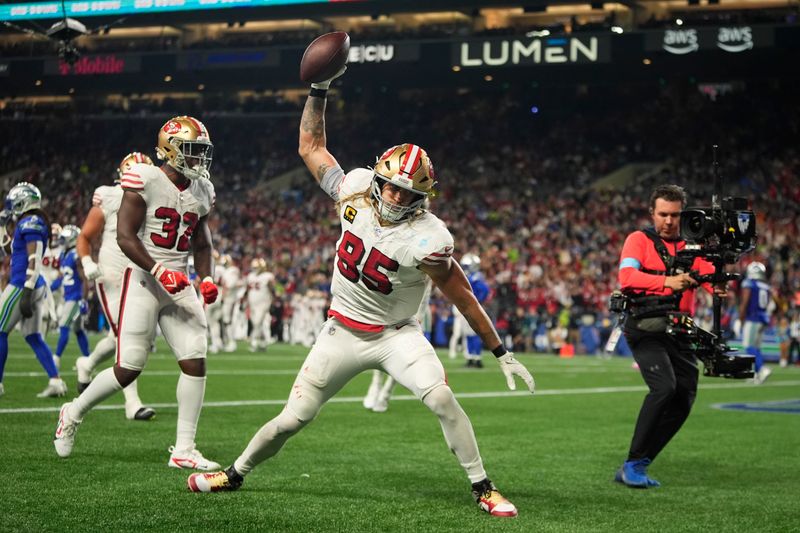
column 635, row 256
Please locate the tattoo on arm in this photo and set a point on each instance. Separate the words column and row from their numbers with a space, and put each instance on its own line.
column 313, row 120
column 321, row 170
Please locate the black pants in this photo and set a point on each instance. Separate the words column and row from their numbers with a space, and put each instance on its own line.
column 672, row 378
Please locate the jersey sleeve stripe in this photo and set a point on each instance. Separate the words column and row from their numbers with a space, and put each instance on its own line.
column 428, row 261
column 440, row 255
column 126, row 184
column 131, row 174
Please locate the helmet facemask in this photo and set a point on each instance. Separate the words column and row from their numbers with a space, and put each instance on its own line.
column 192, row 158
column 390, row 212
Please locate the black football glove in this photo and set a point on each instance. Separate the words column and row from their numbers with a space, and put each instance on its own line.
column 26, row 303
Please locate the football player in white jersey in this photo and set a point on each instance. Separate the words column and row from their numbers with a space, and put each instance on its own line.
column 390, row 245
column 51, row 270
column 214, row 309
column 101, row 227
column 231, row 283
column 259, row 300
column 161, row 219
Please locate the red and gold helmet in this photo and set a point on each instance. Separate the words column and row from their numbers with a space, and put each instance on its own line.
column 185, row 144
column 258, row 264
column 407, row 166
column 129, row 160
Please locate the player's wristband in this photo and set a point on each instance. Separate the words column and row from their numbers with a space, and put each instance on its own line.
column 318, row 93
column 500, row 351
column 157, row 270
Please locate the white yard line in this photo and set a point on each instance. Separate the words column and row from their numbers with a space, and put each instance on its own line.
column 407, row 397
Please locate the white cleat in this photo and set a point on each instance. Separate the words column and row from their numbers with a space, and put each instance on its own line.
column 372, row 396
column 762, row 375
column 56, row 388
column 191, row 459
column 230, row 347
column 65, row 432
column 84, row 368
column 381, row 404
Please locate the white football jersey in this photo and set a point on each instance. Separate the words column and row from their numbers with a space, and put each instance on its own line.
column 231, row 281
column 375, row 276
column 258, row 291
column 111, row 259
column 51, row 264
column 172, row 214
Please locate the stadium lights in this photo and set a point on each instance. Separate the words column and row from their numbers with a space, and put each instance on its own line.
column 72, row 90
column 488, row 77
column 679, row 22
column 38, row 83
column 538, row 33
column 647, row 61
column 201, row 87
column 167, row 78
column 456, row 68
column 617, row 29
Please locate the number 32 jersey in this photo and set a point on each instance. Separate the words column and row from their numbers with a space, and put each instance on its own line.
column 375, row 276
column 172, row 214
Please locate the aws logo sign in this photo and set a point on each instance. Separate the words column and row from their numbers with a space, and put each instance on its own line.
column 736, row 39
column 732, row 39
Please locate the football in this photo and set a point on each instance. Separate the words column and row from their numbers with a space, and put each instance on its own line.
column 324, row 57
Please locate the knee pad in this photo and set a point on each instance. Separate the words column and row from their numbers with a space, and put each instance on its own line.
column 305, row 401
column 442, row 402
column 287, row 423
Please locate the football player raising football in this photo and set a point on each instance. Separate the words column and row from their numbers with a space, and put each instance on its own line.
column 390, row 245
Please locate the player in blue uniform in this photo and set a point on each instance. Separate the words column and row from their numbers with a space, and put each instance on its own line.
column 754, row 315
column 75, row 307
column 471, row 264
column 25, row 295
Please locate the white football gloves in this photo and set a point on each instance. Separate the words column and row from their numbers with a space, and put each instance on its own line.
column 90, row 269
column 511, row 367
column 325, row 85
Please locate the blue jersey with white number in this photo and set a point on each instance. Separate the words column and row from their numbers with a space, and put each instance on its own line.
column 31, row 228
column 756, row 310
column 70, row 279
column 479, row 286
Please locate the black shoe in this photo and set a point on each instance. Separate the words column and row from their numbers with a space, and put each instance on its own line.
column 144, row 413
column 82, row 387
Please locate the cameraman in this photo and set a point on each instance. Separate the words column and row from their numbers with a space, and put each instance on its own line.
column 654, row 286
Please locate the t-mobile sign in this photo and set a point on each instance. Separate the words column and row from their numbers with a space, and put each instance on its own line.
column 94, row 65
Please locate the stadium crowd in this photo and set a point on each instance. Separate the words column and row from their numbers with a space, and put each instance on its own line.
column 521, row 190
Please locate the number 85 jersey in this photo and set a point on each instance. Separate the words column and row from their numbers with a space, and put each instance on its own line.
column 376, row 281
column 172, row 213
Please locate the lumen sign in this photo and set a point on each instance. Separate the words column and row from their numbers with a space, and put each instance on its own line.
column 732, row 39
column 532, row 51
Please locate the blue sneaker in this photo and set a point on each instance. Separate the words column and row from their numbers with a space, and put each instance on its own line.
column 634, row 474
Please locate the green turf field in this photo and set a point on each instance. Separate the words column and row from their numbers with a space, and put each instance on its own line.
column 553, row 454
